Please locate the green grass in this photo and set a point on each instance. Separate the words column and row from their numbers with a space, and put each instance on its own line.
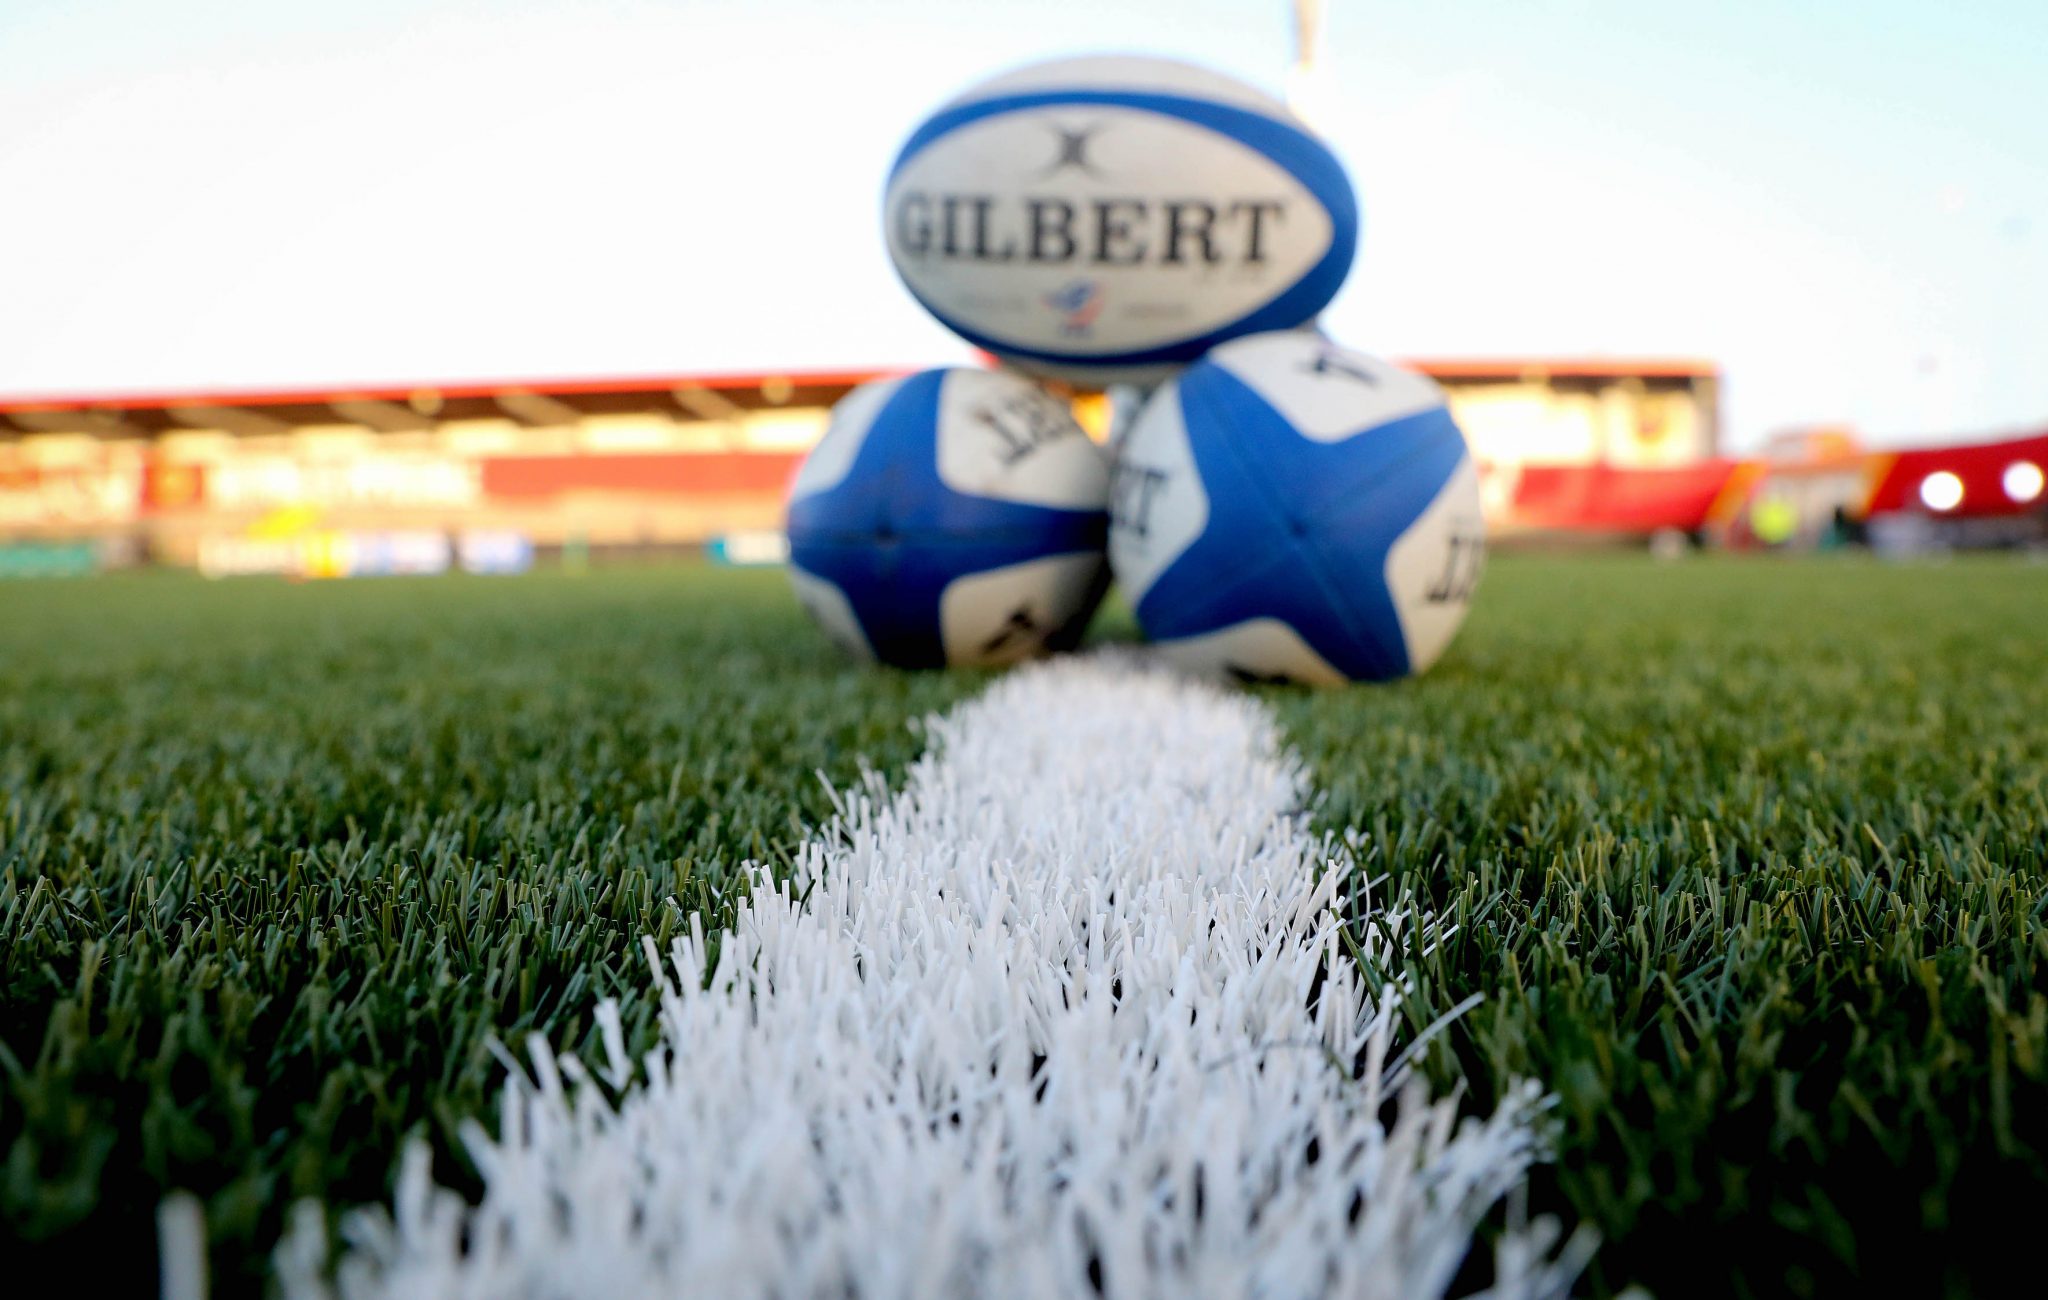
column 276, row 862
column 1750, row 859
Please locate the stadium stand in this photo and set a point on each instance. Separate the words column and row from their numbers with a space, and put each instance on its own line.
column 1626, row 447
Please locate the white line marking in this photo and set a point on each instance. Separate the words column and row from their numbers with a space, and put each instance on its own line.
column 181, row 1247
column 1072, row 1002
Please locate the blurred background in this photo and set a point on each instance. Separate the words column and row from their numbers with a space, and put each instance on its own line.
column 330, row 289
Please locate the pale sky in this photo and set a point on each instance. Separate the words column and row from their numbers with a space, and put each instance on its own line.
column 1845, row 205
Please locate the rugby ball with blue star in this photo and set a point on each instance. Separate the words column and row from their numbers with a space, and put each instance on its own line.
column 952, row 517
column 1290, row 510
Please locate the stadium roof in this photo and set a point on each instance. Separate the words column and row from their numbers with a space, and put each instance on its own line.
column 406, row 392
column 395, row 407
column 553, row 401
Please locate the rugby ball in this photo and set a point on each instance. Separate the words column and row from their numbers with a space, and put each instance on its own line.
column 1289, row 510
column 1106, row 220
column 951, row 517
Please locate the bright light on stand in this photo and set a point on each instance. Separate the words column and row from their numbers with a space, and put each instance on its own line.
column 1941, row 490
column 2023, row 481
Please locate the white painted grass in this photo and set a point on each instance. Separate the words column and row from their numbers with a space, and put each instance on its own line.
column 1068, row 1010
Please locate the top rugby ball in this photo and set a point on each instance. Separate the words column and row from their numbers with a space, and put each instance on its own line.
column 1106, row 220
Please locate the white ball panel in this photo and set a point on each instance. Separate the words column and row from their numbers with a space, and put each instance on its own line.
column 1158, row 506
column 1004, row 438
column 1434, row 566
column 1003, row 615
column 1259, row 647
column 828, row 462
column 1326, row 392
column 828, row 606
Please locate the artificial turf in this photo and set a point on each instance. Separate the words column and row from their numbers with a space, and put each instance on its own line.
column 277, row 862
column 1751, row 861
column 1749, row 858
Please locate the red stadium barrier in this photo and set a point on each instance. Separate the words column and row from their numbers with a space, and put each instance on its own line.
column 1606, row 498
column 1992, row 476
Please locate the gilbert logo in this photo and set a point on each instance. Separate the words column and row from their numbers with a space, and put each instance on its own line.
column 1037, row 222
column 1040, row 229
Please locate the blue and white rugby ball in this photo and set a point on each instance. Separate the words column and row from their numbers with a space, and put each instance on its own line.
column 1289, row 510
column 951, row 517
column 1105, row 220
